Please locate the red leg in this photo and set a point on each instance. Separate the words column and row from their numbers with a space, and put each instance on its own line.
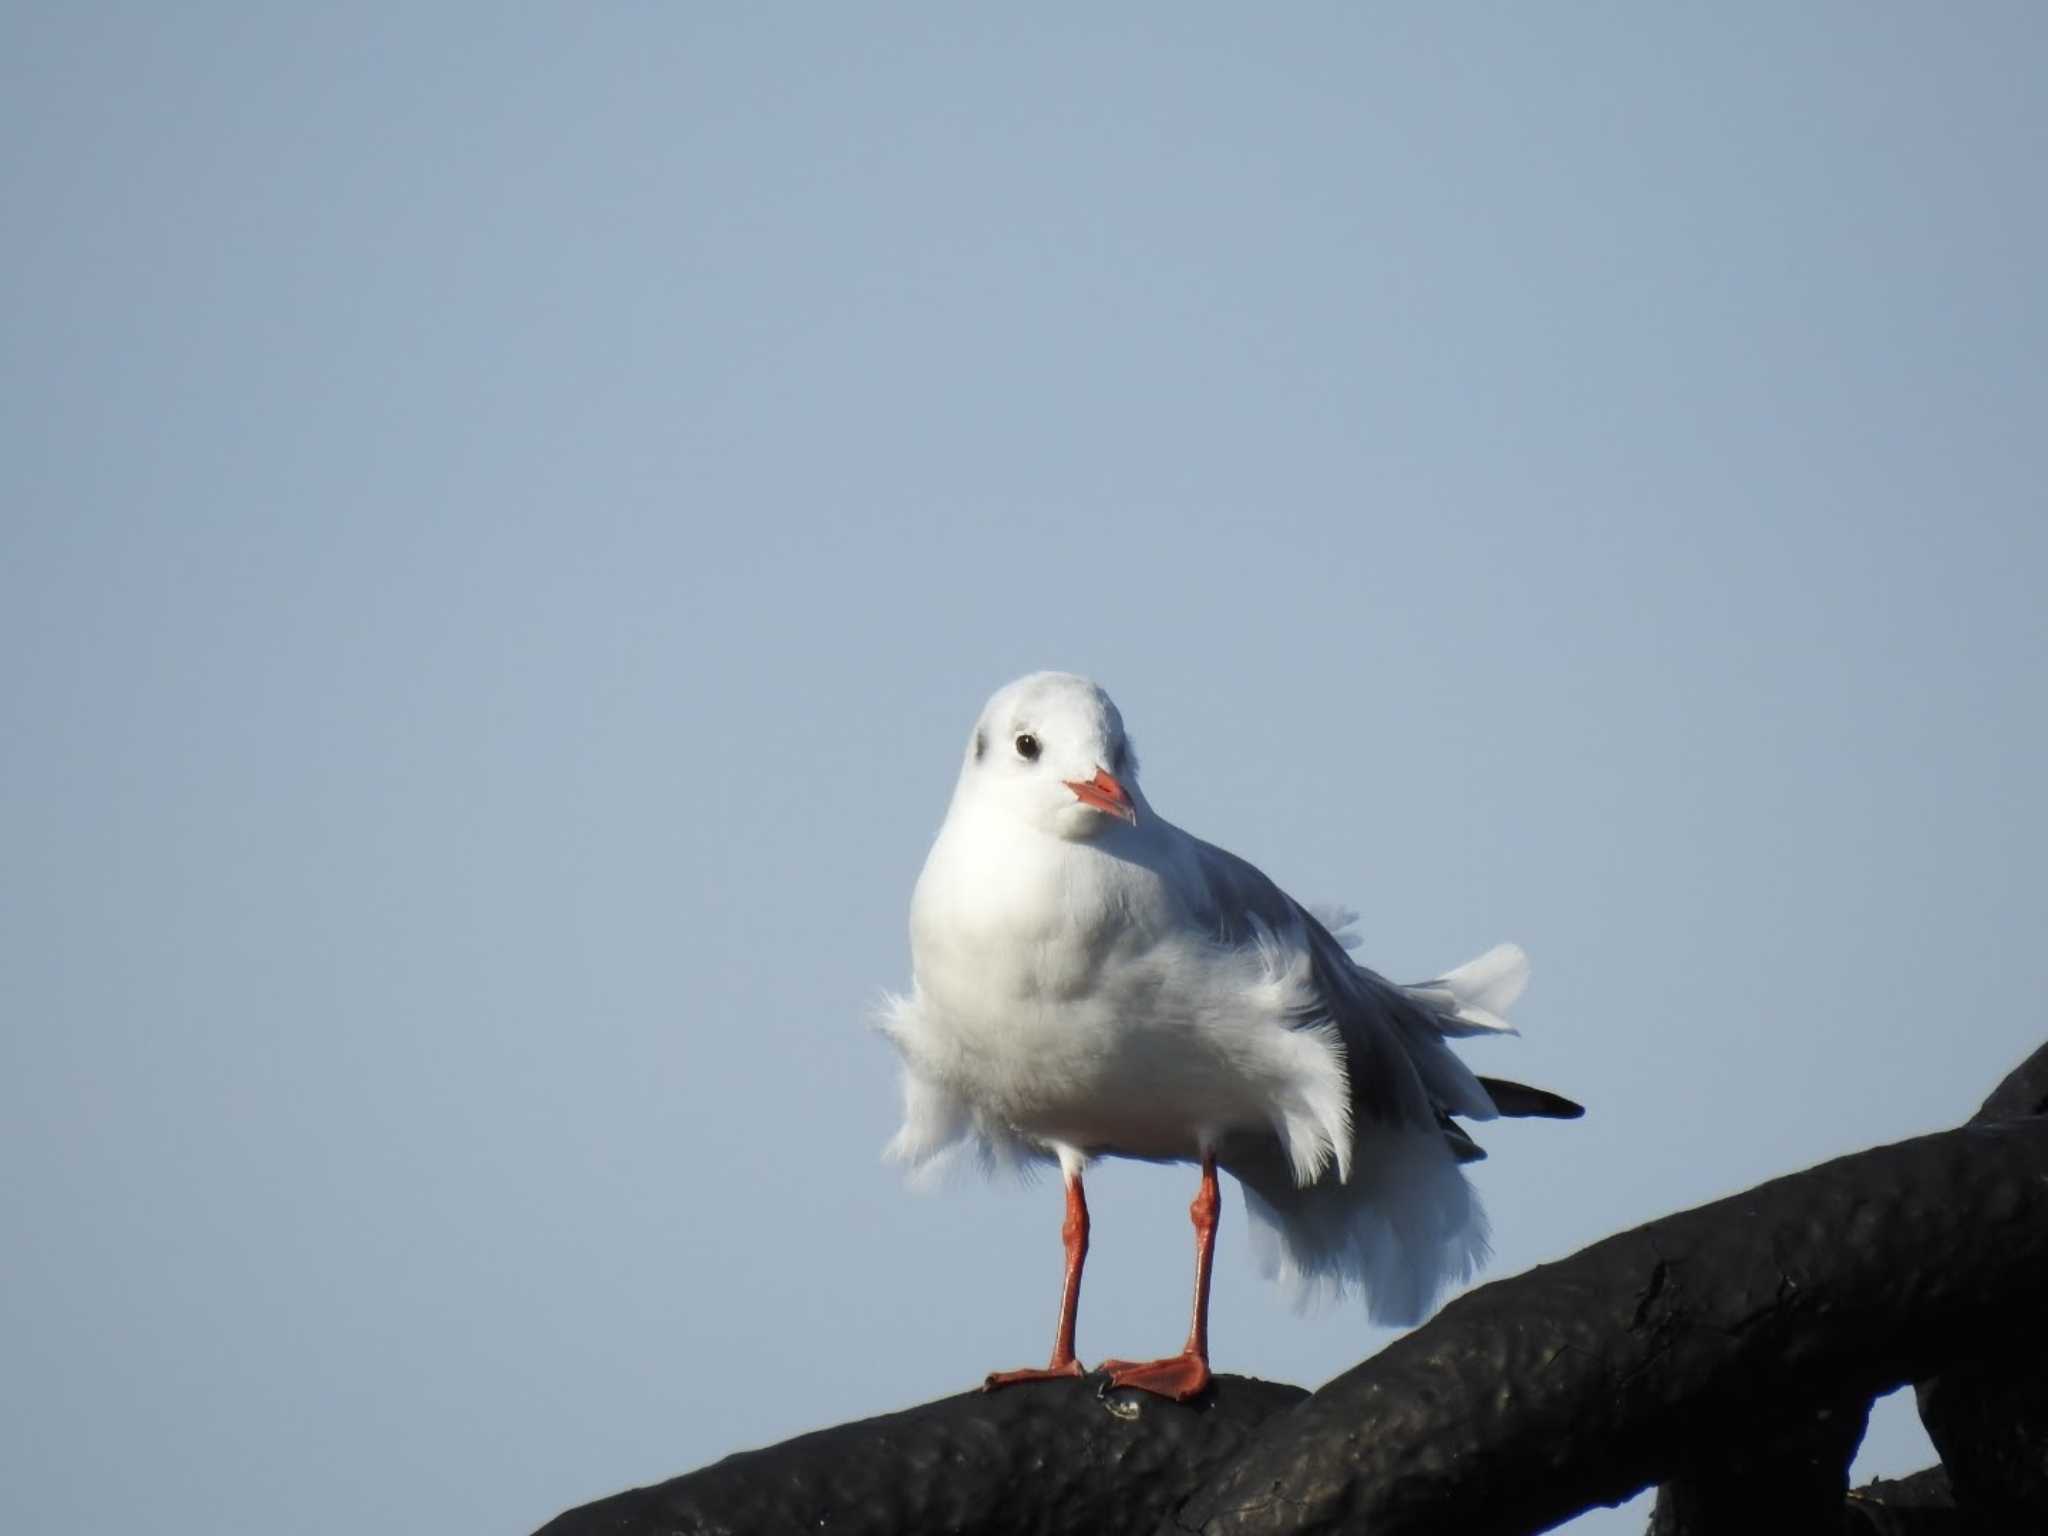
column 1184, row 1375
column 1075, row 1235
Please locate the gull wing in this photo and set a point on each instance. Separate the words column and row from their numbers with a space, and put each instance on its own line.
column 1401, row 1073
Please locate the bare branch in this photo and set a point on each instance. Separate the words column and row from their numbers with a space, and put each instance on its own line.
column 1043, row 1457
column 1581, row 1382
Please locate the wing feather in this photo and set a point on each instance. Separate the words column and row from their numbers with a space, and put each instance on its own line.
column 1402, row 1074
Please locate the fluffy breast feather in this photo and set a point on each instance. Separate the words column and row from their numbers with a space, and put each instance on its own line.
column 1074, row 1002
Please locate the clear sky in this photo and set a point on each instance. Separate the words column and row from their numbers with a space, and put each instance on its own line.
column 510, row 513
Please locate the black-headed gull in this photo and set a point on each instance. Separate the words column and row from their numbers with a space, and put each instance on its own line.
column 1091, row 981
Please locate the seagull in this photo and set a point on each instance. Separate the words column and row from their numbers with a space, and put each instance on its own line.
column 1091, row 981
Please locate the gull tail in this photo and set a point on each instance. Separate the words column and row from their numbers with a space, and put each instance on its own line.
column 1404, row 1228
column 1475, row 998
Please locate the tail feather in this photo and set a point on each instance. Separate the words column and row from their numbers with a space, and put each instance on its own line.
column 1404, row 1227
column 1474, row 998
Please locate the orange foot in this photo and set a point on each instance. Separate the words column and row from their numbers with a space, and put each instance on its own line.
column 1057, row 1372
column 1178, row 1377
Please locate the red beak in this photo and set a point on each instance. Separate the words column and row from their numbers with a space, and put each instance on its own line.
column 1104, row 794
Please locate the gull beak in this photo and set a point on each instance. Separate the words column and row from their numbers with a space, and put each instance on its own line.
column 1104, row 794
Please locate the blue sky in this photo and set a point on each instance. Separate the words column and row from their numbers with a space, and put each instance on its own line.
column 510, row 517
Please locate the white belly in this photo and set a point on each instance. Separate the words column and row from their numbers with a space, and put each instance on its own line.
column 1138, row 1052
column 1073, row 1001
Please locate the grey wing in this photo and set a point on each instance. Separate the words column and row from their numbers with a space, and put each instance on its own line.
column 1402, row 1073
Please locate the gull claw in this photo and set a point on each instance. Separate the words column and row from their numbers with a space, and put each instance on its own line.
column 1054, row 1372
column 1178, row 1377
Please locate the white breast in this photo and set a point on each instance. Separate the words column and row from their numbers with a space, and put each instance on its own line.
column 1067, row 994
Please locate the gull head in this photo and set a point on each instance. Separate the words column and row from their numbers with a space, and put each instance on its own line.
column 1050, row 750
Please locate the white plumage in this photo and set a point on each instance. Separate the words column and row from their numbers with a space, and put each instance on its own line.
column 1092, row 981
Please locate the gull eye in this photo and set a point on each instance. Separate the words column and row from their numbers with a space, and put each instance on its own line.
column 1027, row 747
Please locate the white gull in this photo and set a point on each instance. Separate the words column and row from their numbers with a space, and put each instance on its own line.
column 1091, row 981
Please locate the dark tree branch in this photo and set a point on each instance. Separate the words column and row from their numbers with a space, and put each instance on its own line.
column 1793, row 1480
column 1988, row 1416
column 1581, row 1382
column 1043, row 1457
column 2023, row 1092
column 1988, row 1419
column 1920, row 1505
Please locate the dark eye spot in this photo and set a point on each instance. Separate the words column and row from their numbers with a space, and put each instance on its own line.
column 980, row 745
column 1027, row 747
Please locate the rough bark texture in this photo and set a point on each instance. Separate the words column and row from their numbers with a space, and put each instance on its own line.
column 1795, row 1480
column 1920, row 1505
column 1988, row 1415
column 1580, row 1382
column 1728, row 1352
column 1043, row 1457
column 2024, row 1092
column 1988, row 1419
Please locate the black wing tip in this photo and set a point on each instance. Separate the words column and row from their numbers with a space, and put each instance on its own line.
column 1462, row 1146
column 1518, row 1101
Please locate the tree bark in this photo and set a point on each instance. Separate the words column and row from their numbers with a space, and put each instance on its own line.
column 1048, row 1457
column 1988, row 1415
column 1581, row 1382
column 1793, row 1481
